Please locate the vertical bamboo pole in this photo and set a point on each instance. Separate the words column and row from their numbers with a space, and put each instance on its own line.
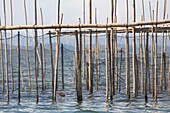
column 116, row 47
column 27, row 54
column 109, row 65
column 84, row 41
column 87, row 77
column 19, row 68
column 112, row 61
column 11, row 65
column 152, row 49
column 58, row 12
column 141, row 58
column 169, row 70
column 106, row 57
column 43, row 52
column 2, row 61
column 52, row 66
column 79, row 84
column 127, row 54
column 163, row 64
column 146, row 67
column 164, row 48
column 6, row 56
column 156, row 49
column 90, row 50
column 134, row 49
column 56, row 64
column 90, row 64
column 97, row 53
column 36, row 61
column 42, row 66
column 112, row 44
column 62, row 63
column 120, row 69
column 80, row 48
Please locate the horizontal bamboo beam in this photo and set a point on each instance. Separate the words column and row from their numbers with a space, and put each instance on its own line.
column 87, row 26
column 137, row 30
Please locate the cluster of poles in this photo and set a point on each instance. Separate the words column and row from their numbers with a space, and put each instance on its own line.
column 111, row 49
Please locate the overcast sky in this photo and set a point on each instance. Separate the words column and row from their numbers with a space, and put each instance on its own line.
column 72, row 10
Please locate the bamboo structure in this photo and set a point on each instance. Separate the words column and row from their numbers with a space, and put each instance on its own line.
column 138, row 72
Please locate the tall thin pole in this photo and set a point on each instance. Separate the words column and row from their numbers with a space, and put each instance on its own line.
column 58, row 11
column 146, row 67
column 6, row 55
column 52, row 66
column 156, row 49
column 11, row 65
column 36, row 62
column 97, row 53
column 2, row 61
column 90, row 50
column 106, row 57
column 127, row 54
column 27, row 54
column 134, row 49
column 56, row 65
column 19, row 68
column 43, row 51
column 62, row 65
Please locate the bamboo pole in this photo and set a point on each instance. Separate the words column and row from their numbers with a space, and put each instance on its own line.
column 36, row 46
column 120, row 69
column 6, row 56
column 141, row 58
column 146, row 68
column 164, row 48
column 11, row 65
column 169, row 70
column 80, row 52
column 43, row 51
column 106, row 57
column 109, row 63
column 127, row 55
column 163, row 64
column 97, row 53
column 27, row 54
column 156, row 49
column 84, row 41
column 90, row 50
column 134, row 49
column 112, row 44
column 79, row 81
column 52, row 66
column 19, row 67
column 58, row 12
column 90, row 64
column 62, row 63
column 2, row 62
column 56, row 65
column 112, row 61
column 42, row 78
column 85, row 26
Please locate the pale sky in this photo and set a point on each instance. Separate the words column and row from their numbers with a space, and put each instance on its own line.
column 72, row 10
